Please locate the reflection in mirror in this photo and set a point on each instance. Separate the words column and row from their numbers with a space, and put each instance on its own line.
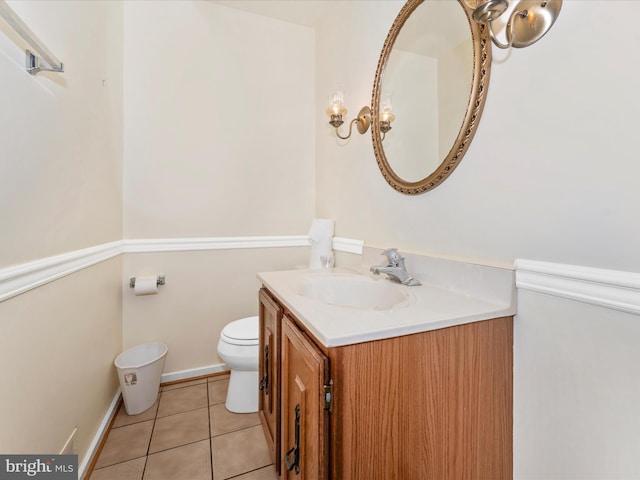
column 433, row 70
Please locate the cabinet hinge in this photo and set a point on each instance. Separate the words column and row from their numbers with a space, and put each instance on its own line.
column 328, row 396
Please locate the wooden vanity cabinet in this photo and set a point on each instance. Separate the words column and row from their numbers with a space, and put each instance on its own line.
column 270, row 313
column 305, row 416
column 432, row 405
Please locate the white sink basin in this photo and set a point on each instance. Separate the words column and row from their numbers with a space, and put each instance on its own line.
column 355, row 291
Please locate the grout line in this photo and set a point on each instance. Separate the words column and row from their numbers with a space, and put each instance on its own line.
column 146, row 461
column 153, row 428
column 119, row 463
column 177, row 446
column 181, row 412
column 155, row 419
column 236, row 430
column 249, row 471
column 210, row 436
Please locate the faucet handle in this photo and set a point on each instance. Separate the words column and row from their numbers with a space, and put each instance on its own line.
column 393, row 257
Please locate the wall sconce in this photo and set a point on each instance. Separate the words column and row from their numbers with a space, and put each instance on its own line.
column 337, row 110
column 528, row 23
column 386, row 117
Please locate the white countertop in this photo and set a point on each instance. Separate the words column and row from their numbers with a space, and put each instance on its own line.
column 428, row 307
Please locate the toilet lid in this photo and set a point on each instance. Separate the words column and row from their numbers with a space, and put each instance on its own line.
column 245, row 330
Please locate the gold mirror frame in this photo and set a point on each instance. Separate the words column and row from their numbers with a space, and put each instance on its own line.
column 480, row 81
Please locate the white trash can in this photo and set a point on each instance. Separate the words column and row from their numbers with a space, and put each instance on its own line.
column 139, row 372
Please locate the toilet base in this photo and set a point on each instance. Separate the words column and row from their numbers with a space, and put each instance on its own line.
column 242, row 394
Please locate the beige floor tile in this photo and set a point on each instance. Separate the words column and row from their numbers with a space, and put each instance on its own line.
column 266, row 473
column 239, row 452
column 182, row 400
column 180, row 429
column 189, row 462
column 131, row 470
column 123, row 419
column 183, row 384
column 218, row 391
column 224, row 421
column 126, row 443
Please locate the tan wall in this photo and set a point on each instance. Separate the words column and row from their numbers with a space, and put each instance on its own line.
column 219, row 141
column 219, row 115
column 57, row 349
column 61, row 134
column 204, row 291
column 60, row 191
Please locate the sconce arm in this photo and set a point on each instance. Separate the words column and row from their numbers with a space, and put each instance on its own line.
column 510, row 27
column 363, row 120
column 495, row 40
column 350, row 128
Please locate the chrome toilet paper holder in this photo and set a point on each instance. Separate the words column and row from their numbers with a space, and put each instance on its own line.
column 159, row 281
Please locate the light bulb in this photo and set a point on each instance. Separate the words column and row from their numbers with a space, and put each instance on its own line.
column 385, row 110
column 336, row 104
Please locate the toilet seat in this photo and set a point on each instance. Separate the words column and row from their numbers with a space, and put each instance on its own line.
column 241, row 332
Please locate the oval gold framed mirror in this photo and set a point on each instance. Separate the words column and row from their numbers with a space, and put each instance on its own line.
column 431, row 82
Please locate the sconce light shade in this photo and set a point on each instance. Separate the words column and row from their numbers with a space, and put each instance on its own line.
column 386, row 116
column 337, row 109
column 528, row 23
column 336, row 106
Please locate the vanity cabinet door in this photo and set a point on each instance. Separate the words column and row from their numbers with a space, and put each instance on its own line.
column 270, row 314
column 305, row 422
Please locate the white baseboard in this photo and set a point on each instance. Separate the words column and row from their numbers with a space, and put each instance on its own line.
column 102, row 430
column 193, row 372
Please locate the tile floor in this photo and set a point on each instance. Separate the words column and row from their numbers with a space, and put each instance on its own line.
column 187, row 435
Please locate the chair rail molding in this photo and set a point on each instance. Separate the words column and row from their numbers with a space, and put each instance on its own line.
column 611, row 289
column 21, row 278
column 27, row 276
column 212, row 243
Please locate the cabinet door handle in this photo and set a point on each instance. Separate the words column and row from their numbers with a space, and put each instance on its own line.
column 264, row 383
column 295, row 450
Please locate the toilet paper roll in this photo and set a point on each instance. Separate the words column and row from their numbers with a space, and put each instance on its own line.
column 321, row 236
column 146, row 285
column 321, row 229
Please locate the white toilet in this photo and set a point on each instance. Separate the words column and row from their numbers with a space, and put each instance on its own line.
column 238, row 348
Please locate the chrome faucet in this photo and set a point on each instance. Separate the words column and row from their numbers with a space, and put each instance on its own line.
column 396, row 269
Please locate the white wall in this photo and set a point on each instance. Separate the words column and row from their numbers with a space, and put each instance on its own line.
column 60, row 191
column 576, row 390
column 551, row 175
